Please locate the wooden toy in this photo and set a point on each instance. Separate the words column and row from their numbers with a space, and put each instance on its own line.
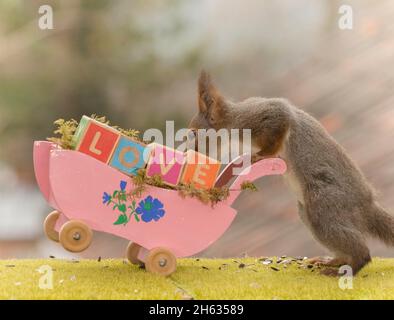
column 108, row 145
column 89, row 195
column 128, row 156
column 200, row 170
column 79, row 133
column 97, row 139
column 228, row 172
column 167, row 163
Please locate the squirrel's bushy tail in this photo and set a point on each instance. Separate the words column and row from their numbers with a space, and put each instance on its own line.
column 381, row 225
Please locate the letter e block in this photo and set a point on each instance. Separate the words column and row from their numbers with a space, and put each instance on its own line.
column 200, row 170
column 165, row 162
column 98, row 141
column 128, row 156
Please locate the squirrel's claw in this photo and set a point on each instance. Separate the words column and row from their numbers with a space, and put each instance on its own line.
column 331, row 272
column 327, row 262
column 320, row 261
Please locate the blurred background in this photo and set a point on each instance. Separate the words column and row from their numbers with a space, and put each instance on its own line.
column 138, row 61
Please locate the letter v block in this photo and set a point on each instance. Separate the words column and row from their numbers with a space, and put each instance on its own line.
column 165, row 162
column 200, row 170
column 128, row 156
column 98, row 141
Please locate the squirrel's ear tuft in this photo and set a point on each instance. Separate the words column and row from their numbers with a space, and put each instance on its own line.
column 209, row 98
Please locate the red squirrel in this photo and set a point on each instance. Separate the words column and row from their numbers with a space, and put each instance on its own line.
column 335, row 201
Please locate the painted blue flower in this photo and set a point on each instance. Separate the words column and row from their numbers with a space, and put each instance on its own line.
column 150, row 209
column 106, row 198
column 123, row 185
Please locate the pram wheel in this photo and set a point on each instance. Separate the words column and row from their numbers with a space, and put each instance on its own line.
column 49, row 226
column 132, row 253
column 75, row 236
column 160, row 261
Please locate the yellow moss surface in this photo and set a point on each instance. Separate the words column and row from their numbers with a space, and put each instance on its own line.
column 236, row 278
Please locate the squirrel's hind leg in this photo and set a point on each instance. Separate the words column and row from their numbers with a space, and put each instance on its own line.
column 340, row 237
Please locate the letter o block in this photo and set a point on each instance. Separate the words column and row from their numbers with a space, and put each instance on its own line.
column 98, row 141
column 200, row 170
column 128, row 156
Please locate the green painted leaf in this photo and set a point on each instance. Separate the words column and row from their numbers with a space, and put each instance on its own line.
column 122, row 208
column 122, row 219
column 136, row 218
column 132, row 210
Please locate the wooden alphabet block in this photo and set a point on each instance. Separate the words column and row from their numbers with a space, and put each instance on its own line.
column 79, row 133
column 165, row 162
column 98, row 141
column 200, row 170
column 128, row 156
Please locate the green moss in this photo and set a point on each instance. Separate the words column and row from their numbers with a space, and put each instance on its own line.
column 65, row 130
column 208, row 196
column 245, row 278
column 88, row 279
column 132, row 133
column 248, row 185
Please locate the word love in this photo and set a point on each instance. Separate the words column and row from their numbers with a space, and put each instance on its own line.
column 127, row 155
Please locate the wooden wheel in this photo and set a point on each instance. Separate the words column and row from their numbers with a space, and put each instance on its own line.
column 132, row 253
column 49, row 226
column 75, row 236
column 160, row 261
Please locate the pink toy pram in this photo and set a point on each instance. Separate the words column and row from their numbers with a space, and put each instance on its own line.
column 160, row 224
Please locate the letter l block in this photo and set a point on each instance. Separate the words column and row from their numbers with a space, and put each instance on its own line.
column 98, row 141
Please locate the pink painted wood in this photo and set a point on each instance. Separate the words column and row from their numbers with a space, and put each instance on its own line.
column 228, row 172
column 41, row 156
column 265, row 167
column 74, row 183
